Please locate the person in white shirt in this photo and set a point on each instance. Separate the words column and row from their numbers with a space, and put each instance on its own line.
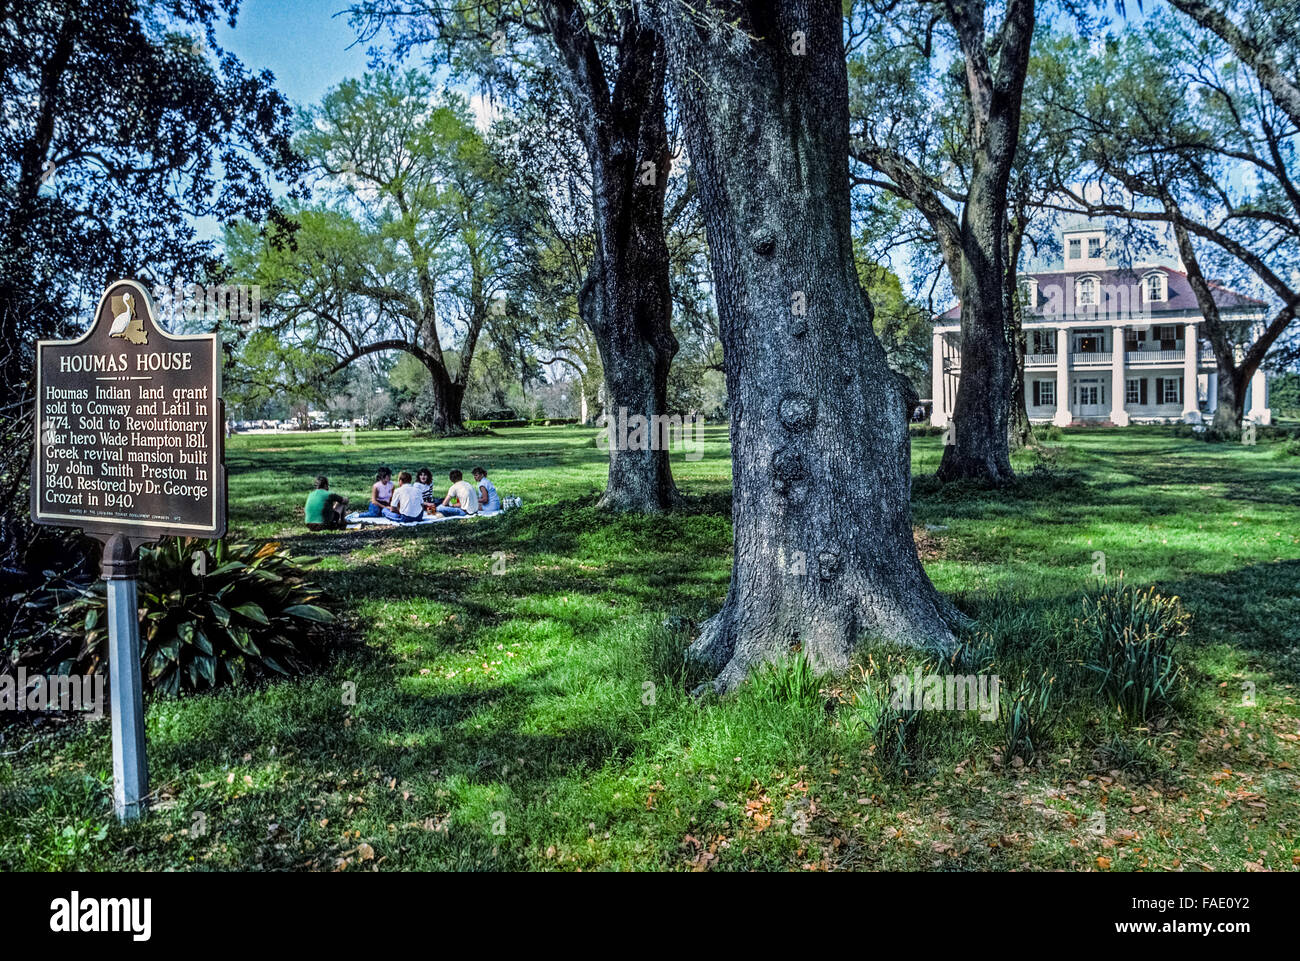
column 464, row 494
column 408, row 505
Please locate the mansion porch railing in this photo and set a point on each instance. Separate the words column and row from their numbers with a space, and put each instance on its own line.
column 1104, row 358
column 1094, row 358
column 1154, row 356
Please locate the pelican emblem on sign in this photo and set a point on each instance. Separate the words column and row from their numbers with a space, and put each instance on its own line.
column 126, row 322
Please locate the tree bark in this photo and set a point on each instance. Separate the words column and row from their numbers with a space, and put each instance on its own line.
column 980, row 417
column 448, row 398
column 824, row 555
column 635, row 357
column 1226, row 424
column 1021, row 432
column 981, row 412
column 625, row 299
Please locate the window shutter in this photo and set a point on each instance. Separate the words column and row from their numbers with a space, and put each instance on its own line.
column 1037, row 385
column 1160, row 390
column 1142, row 391
column 1181, row 395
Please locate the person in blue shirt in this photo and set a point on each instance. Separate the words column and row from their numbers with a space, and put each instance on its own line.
column 488, row 498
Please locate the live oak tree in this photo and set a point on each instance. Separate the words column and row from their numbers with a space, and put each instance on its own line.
column 915, row 157
column 764, row 95
column 121, row 123
column 1171, row 129
column 415, row 242
column 610, row 61
column 1264, row 35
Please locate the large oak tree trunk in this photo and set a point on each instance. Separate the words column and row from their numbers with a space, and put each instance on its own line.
column 981, row 412
column 448, row 398
column 625, row 299
column 824, row 555
column 1021, row 431
column 636, row 343
column 627, row 304
column 1231, row 402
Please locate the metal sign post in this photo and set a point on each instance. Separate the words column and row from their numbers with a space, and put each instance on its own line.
column 130, row 763
column 130, row 447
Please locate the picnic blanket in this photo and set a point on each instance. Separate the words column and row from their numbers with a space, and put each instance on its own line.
column 356, row 521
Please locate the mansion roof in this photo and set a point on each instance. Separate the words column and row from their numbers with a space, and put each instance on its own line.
column 1055, row 293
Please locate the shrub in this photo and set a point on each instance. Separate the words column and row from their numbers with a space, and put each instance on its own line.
column 1027, row 715
column 473, row 425
column 976, row 654
column 1048, row 432
column 210, row 614
column 1134, row 634
column 897, row 739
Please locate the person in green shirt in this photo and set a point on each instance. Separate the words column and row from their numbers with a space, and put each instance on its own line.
column 325, row 511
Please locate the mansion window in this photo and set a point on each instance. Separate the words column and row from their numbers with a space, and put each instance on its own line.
column 1042, row 341
column 1169, row 392
column 1135, row 391
column 1044, row 393
column 1155, row 288
column 1086, row 292
column 1094, row 247
column 1076, row 248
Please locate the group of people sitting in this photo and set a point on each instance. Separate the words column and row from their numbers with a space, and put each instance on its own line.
column 405, row 502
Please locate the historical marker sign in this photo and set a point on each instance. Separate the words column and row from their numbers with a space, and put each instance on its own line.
column 130, row 448
column 131, row 431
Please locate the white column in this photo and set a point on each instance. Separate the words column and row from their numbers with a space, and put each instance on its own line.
column 1062, row 417
column 1191, row 360
column 1118, row 415
column 1212, row 391
column 1259, row 411
column 938, row 407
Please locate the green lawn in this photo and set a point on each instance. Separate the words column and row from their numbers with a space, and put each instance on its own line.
column 538, row 718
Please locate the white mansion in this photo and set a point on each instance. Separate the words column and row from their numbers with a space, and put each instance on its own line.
column 1108, row 345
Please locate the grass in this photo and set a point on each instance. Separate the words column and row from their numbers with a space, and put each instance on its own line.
column 540, row 718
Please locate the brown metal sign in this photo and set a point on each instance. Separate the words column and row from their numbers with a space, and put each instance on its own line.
column 130, row 426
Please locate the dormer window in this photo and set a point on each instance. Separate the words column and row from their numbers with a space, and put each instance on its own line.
column 1029, row 292
column 1094, row 248
column 1155, row 287
column 1075, row 248
column 1085, row 292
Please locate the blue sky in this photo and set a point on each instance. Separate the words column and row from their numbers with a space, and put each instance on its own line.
column 302, row 42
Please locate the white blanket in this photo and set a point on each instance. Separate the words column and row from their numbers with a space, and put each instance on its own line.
column 356, row 521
